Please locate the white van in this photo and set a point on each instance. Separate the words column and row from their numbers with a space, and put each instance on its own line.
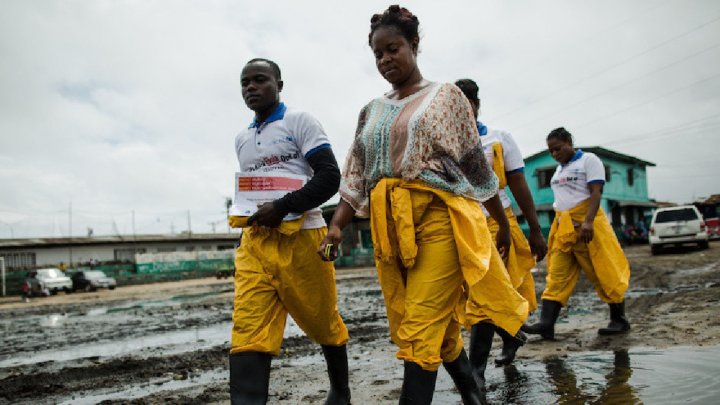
column 677, row 226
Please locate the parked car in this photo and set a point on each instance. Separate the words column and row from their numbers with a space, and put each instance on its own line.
column 48, row 281
column 91, row 280
column 713, row 227
column 677, row 226
column 224, row 274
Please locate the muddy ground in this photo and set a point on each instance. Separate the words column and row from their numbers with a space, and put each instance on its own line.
column 167, row 343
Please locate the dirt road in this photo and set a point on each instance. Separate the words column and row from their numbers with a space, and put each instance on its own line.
column 167, row 343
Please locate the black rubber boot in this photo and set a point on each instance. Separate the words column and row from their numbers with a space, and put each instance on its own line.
column 618, row 323
column 461, row 373
column 481, row 337
column 549, row 313
column 511, row 344
column 337, row 367
column 418, row 385
column 249, row 378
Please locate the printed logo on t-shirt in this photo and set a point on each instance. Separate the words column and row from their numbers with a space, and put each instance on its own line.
column 273, row 160
column 564, row 180
column 571, row 175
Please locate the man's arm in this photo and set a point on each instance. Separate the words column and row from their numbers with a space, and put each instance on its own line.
column 323, row 185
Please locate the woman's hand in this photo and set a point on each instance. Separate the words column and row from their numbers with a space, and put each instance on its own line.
column 328, row 250
column 538, row 245
column 503, row 241
column 586, row 232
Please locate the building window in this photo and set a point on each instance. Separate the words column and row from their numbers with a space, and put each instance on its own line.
column 19, row 260
column 127, row 255
column 166, row 249
column 607, row 174
column 631, row 176
column 225, row 247
column 544, row 176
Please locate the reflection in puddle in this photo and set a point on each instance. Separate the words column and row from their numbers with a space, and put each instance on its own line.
column 97, row 311
column 679, row 375
column 53, row 321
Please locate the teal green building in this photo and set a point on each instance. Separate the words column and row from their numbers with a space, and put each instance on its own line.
column 625, row 197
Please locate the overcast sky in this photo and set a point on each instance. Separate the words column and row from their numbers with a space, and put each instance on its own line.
column 122, row 107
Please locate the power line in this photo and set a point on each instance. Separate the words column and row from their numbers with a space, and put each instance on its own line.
column 663, row 132
column 646, row 102
column 705, row 164
column 584, row 40
column 597, row 73
column 685, row 176
column 634, row 79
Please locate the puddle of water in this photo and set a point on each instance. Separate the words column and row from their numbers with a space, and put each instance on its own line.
column 639, row 292
column 53, row 321
column 149, row 388
column 698, row 270
column 162, row 343
column 97, row 311
column 190, row 297
column 678, row 375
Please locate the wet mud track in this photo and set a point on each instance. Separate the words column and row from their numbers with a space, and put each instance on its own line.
column 170, row 345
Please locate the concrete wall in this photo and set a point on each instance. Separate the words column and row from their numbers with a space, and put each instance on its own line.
column 53, row 256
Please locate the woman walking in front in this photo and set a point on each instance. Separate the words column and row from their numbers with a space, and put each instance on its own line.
column 417, row 169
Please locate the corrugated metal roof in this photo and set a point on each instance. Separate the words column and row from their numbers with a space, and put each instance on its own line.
column 600, row 151
column 124, row 239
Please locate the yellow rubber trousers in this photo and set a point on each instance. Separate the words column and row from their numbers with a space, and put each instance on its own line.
column 520, row 259
column 277, row 271
column 427, row 246
column 602, row 260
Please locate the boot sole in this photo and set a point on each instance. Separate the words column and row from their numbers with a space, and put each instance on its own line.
column 609, row 332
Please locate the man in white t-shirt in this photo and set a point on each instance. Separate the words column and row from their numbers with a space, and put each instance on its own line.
column 504, row 156
column 277, row 269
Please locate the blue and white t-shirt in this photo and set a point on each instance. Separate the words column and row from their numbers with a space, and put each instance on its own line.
column 511, row 155
column 280, row 145
column 570, row 181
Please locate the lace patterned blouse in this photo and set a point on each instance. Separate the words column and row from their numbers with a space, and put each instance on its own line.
column 430, row 136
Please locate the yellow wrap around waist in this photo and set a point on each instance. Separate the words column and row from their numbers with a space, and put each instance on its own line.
column 611, row 268
column 466, row 218
column 491, row 294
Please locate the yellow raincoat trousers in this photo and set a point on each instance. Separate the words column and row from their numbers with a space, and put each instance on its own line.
column 428, row 244
column 520, row 259
column 277, row 271
column 602, row 260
